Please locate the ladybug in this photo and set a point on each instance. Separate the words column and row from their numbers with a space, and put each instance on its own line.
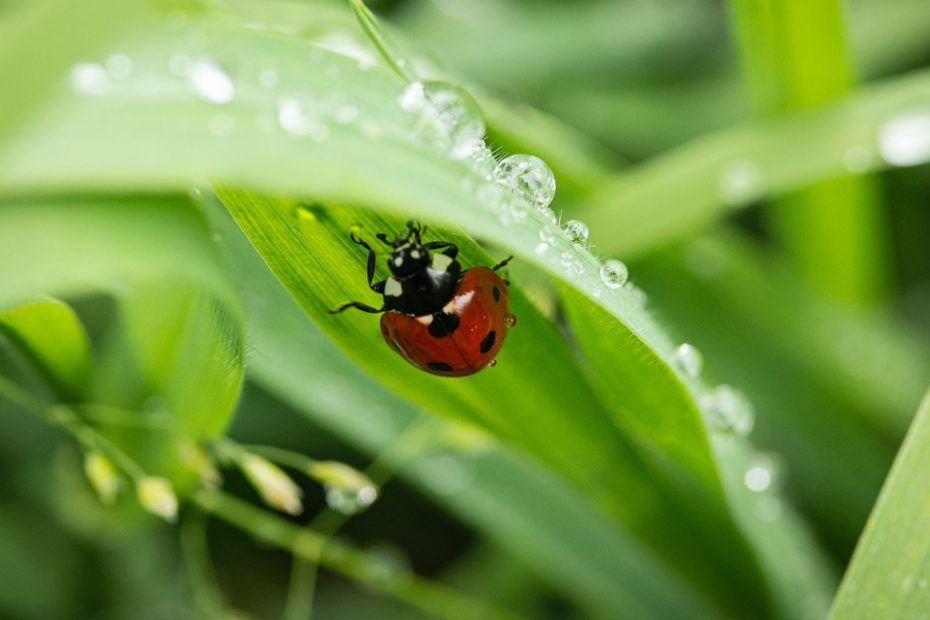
column 437, row 316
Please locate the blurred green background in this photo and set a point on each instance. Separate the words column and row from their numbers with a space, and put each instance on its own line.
column 760, row 166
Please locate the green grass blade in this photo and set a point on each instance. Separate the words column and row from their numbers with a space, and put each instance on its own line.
column 688, row 188
column 50, row 333
column 890, row 571
column 834, row 230
column 382, row 40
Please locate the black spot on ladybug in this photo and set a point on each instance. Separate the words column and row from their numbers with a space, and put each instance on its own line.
column 497, row 294
column 441, row 366
column 488, row 341
column 443, row 324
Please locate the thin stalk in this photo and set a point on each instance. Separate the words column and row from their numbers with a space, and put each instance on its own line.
column 303, row 571
column 427, row 596
column 382, row 40
column 796, row 57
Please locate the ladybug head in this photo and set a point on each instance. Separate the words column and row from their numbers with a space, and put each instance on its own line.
column 408, row 255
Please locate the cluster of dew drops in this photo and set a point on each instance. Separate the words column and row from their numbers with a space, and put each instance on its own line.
column 447, row 118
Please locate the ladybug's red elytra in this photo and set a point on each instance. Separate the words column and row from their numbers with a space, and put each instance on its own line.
column 440, row 318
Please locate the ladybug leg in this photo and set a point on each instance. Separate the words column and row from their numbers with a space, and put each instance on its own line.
column 377, row 287
column 357, row 305
column 451, row 250
column 502, row 264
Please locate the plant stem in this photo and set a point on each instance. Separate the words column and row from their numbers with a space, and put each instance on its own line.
column 427, row 596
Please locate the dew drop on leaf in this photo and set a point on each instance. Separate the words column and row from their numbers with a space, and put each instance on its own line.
column 905, row 140
column 576, row 231
column 614, row 273
column 445, row 115
column 764, row 473
column 728, row 410
column 528, row 177
column 350, row 501
column 510, row 319
column 89, row 78
column 689, row 359
column 211, row 82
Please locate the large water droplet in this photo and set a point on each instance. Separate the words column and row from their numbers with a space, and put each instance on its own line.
column 905, row 140
column 614, row 273
column 350, row 501
column 528, row 177
column 741, row 182
column 689, row 360
column 576, row 231
column 763, row 474
column 298, row 119
column 89, row 78
column 211, row 82
column 445, row 115
column 728, row 410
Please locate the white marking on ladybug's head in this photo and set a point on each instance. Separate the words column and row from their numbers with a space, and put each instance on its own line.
column 426, row 319
column 441, row 262
column 392, row 288
column 398, row 261
column 414, row 253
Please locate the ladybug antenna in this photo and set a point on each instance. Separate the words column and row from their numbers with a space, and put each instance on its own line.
column 384, row 239
column 413, row 228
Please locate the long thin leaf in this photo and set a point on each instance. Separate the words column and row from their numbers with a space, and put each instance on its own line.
column 890, row 571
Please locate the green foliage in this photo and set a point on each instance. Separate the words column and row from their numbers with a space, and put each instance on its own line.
column 178, row 182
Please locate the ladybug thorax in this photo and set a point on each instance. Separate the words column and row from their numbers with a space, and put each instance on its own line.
column 421, row 282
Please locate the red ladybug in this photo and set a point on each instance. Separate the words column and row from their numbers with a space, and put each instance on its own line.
column 441, row 319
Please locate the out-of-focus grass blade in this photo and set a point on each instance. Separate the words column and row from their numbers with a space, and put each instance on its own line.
column 890, row 571
column 512, row 500
column 178, row 357
column 834, row 230
column 677, row 193
column 51, row 334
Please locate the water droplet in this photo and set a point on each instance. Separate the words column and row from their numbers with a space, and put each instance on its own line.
column 689, row 360
column 576, row 231
column 483, row 161
column 221, row 124
column 493, row 363
column 858, row 159
column 728, row 410
column 577, row 267
column 763, row 474
column 741, row 182
column 268, row 78
column 305, row 213
column 528, row 177
column 297, row 119
column 445, row 115
column 89, row 78
column 119, row 66
column 510, row 319
column 211, row 82
column 345, row 114
column 614, row 273
column 541, row 249
column 350, row 501
column 567, row 257
column 905, row 140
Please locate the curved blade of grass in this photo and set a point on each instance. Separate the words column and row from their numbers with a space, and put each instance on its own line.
column 511, row 500
column 50, row 333
column 890, row 571
column 677, row 193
